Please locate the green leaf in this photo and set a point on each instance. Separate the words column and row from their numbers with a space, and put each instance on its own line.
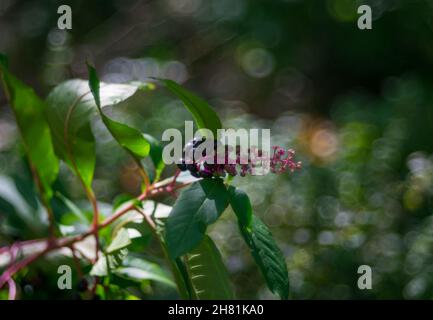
column 268, row 257
column 17, row 216
column 70, row 108
column 29, row 113
column 197, row 207
column 114, row 254
column 72, row 207
column 139, row 145
column 11, row 220
column 120, row 241
column 108, row 262
column 241, row 206
column 265, row 251
column 203, row 114
column 94, row 84
column 140, row 269
column 208, row 275
column 129, row 138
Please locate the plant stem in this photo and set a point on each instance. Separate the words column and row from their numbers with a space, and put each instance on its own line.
column 54, row 244
column 95, row 224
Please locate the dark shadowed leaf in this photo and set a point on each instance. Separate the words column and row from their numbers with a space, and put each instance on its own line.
column 265, row 251
column 197, row 207
column 241, row 206
column 207, row 273
column 268, row 257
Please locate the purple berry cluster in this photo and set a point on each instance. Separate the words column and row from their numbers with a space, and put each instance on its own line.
column 198, row 167
column 282, row 160
column 201, row 166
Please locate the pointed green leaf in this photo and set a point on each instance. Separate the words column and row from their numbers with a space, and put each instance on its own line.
column 197, row 207
column 203, row 114
column 265, row 251
column 207, row 273
column 268, row 257
column 139, row 145
column 129, row 138
column 29, row 113
column 94, row 84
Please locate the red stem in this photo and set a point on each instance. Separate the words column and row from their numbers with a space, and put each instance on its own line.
column 12, row 289
column 68, row 242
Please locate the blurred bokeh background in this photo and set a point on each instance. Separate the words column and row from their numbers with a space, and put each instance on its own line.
column 357, row 105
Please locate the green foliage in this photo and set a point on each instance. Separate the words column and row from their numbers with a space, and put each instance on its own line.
column 139, row 145
column 207, row 273
column 29, row 113
column 129, row 138
column 140, row 270
column 197, row 207
column 241, row 206
column 201, row 274
column 204, row 116
column 70, row 111
column 268, row 257
column 121, row 240
column 265, row 251
column 114, row 254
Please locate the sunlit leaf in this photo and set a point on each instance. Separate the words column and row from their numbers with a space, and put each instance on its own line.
column 203, row 114
column 139, row 145
column 207, row 273
column 120, row 241
column 107, row 263
column 71, row 107
column 29, row 113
